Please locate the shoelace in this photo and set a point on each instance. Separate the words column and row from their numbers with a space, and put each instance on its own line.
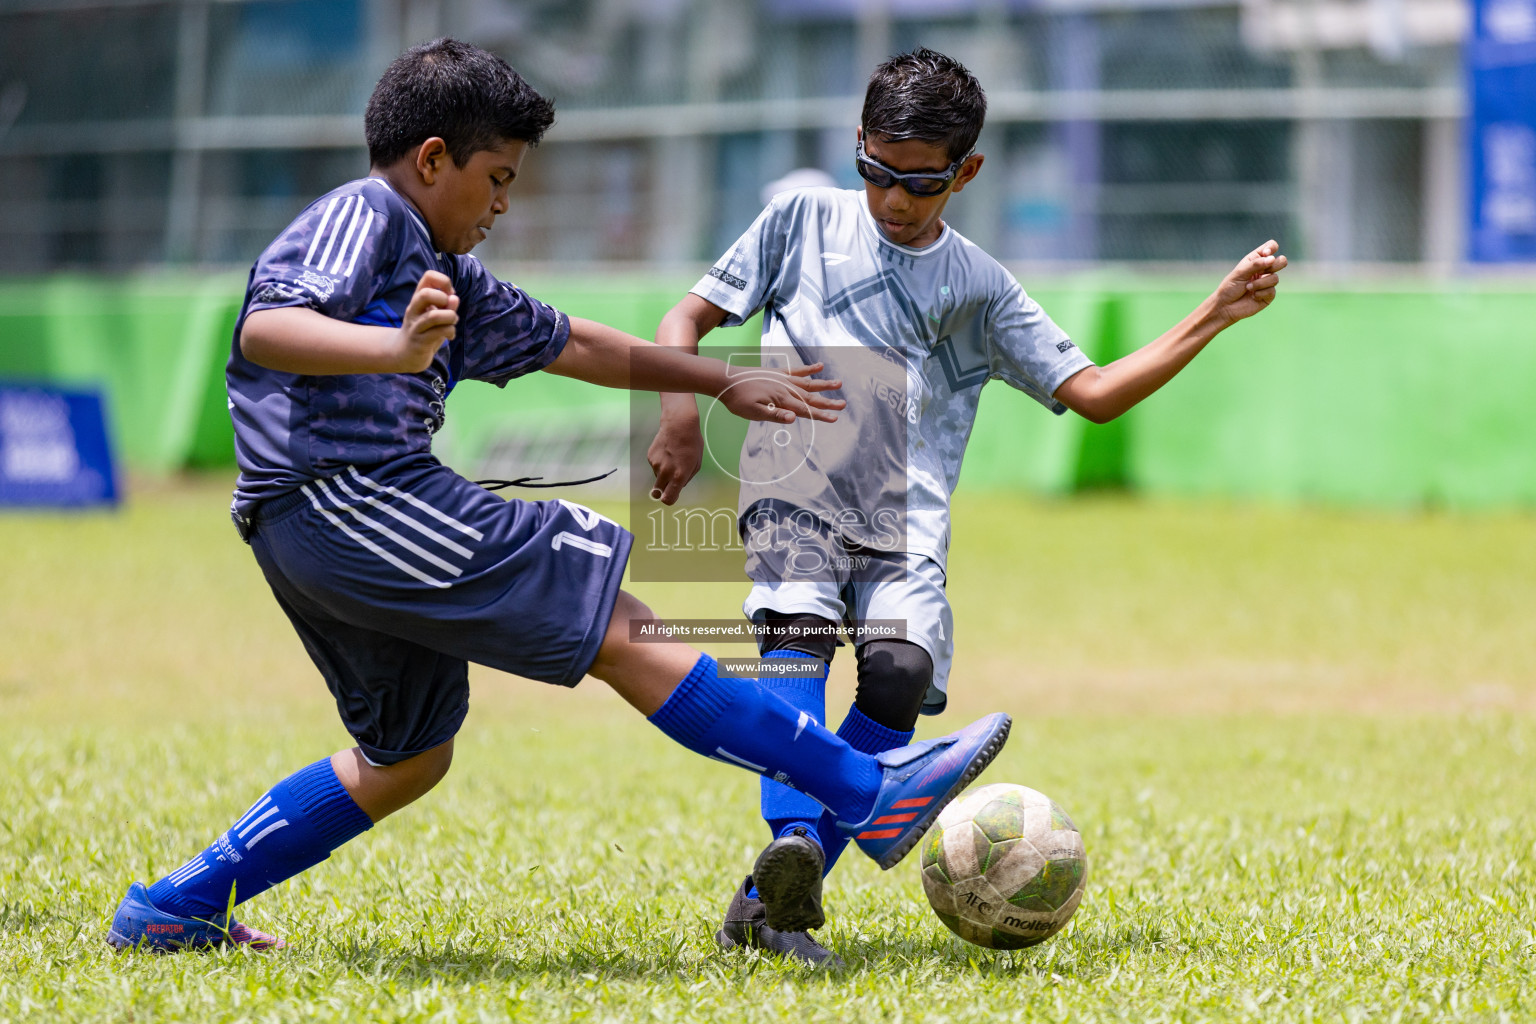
column 527, row 481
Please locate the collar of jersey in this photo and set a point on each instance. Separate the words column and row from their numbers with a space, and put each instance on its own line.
column 410, row 207
column 929, row 249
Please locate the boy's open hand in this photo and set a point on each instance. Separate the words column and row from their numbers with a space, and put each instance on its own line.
column 429, row 321
column 780, row 396
column 1251, row 285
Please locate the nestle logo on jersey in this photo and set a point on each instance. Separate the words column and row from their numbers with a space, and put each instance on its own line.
column 318, row 283
column 728, row 278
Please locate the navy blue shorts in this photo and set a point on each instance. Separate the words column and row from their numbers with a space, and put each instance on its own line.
column 399, row 575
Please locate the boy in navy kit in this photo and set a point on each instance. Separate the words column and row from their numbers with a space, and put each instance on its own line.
column 864, row 281
column 396, row 572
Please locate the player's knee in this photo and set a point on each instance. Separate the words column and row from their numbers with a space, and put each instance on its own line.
column 416, row 776
column 798, row 631
column 894, row 676
column 435, row 764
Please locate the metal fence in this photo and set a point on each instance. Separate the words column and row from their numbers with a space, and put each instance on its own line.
column 189, row 131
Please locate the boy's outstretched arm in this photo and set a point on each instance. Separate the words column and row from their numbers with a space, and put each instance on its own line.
column 678, row 450
column 296, row 339
column 604, row 355
column 1100, row 393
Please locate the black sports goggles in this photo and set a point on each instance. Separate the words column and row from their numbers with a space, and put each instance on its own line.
column 923, row 184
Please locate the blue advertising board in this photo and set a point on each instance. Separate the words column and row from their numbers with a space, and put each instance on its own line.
column 54, row 450
column 1501, row 136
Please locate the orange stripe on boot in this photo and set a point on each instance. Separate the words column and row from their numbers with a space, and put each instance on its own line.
column 916, row 801
column 881, row 833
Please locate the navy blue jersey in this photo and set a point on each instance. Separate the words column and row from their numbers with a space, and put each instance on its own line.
column 356, row 254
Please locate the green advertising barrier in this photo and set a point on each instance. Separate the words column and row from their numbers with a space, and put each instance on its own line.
column 1404, row 397
column 1388, row 397
column 155, row 346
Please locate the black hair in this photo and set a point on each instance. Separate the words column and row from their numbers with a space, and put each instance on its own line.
column 469, row 98
column 928, row 96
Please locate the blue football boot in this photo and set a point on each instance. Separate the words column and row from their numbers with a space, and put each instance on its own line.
column 919, row 780
column 139, row 924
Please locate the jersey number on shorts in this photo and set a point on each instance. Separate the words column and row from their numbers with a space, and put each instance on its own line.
column 588, row 519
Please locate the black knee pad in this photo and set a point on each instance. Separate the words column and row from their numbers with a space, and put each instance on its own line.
column 894, row 676
column 797, row 631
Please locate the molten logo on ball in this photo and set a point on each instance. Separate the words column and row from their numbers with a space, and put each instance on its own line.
column 1004, row 867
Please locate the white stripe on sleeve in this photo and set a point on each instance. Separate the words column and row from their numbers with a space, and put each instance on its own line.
column 346, row 240
column 362, row 236
column 324, row 220
column 336, row 229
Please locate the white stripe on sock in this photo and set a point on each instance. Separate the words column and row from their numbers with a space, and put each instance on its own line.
column 320, row 231
column 404, row 567
column 420, row 528
column 444, row 518
column 270, row 811
column 409, row 545
column 258, row 805
column 733, row 759
column 266, row 832
column 183, row 879
column 187, row 870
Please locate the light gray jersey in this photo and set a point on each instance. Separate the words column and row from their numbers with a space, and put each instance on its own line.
column 912, row 333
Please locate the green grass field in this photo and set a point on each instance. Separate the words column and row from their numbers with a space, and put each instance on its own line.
column 1300, row 746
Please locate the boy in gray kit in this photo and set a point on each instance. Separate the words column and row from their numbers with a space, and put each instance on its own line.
column 852, row 526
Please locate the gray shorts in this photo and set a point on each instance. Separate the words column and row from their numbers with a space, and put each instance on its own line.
column 817, row 575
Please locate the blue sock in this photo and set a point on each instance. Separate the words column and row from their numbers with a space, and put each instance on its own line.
column 295, row 826
column 784, row 809
column 866, row 735
column 740, row 723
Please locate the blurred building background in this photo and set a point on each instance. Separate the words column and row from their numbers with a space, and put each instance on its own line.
column 141, row 132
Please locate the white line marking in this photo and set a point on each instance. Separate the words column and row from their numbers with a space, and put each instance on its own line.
column 420, row 528
column 266, row 832
column 728, row 756
column 346, row 240
column 362, row 236
column 409, row 545
column 270, row 811
column 444, row 518
column 336, row 230
column 404, row 567
column 320, row 231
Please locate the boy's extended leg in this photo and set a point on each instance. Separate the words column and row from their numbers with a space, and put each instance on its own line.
column 293, row 827
column 883, row 803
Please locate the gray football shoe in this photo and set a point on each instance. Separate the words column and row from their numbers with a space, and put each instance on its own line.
column 746, row 925
column 788, row 878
